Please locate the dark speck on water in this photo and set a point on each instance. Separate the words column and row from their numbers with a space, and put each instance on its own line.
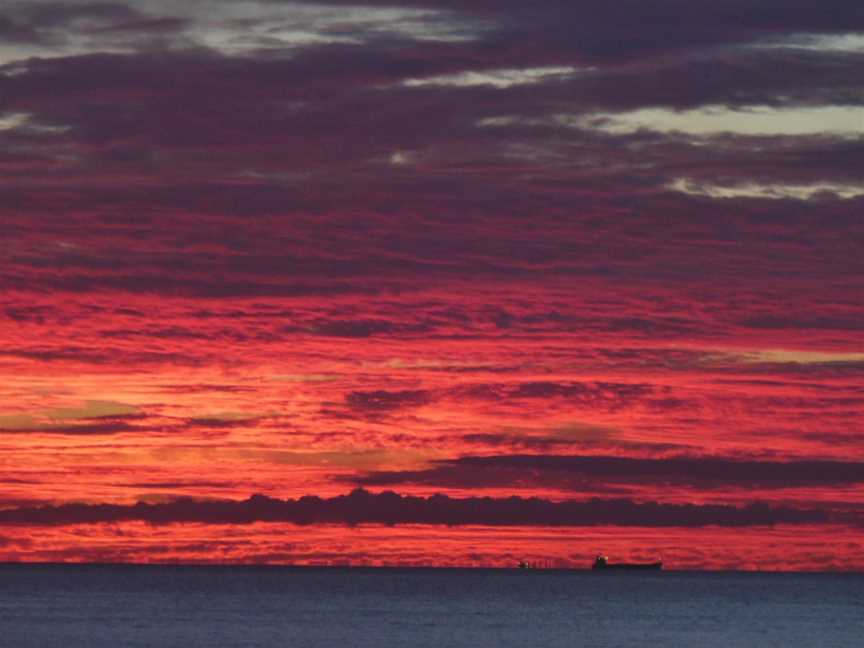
column 219, row 607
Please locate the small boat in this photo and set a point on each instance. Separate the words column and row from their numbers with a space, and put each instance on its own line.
column 602, row 562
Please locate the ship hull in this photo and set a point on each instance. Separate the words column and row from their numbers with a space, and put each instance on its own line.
column 630, row 566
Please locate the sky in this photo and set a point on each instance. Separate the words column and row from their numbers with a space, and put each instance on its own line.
column 432, row 283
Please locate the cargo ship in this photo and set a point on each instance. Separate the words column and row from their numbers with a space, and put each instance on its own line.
column 602, row 562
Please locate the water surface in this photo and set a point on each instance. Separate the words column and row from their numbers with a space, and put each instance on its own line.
column 216, row 607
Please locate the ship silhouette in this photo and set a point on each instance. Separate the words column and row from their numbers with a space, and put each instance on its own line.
column 602, row 562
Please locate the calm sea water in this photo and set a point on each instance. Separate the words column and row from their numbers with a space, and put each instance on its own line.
column 96, row 606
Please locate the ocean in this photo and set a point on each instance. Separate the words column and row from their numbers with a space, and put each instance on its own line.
column 217, row 607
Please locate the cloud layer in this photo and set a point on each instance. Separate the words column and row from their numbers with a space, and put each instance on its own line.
column 360, row 506
column 582, row 250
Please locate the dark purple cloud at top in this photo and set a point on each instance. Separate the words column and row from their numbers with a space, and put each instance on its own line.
column 592, row 28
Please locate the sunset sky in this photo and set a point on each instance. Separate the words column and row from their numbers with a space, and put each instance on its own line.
column 607, row 255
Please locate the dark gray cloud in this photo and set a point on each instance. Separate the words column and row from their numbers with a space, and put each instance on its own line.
column 605, row 395
column 82, row 429
column 579, row 473
column 361, row 506
column 601, row 395
column 590, row 438
column 383, row 401
column 364, row 328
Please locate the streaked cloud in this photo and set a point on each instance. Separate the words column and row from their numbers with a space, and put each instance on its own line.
column 11, row 121
column 504, row 78
column 242, row 28
column 824, row 191
column 850, row 42
column 844, row 121
column 801, row 357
